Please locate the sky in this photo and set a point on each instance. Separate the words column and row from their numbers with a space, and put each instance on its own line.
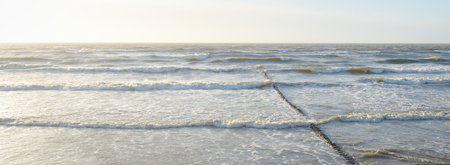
column 226, row 21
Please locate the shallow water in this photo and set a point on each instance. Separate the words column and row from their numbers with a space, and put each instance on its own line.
column 146, row 103
column 390, row 142
column 35, row 145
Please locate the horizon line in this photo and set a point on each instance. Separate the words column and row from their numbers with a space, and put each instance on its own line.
column 223, row 43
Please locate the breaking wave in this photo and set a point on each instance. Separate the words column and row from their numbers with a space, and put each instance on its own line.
column 189, row 56
column 369, row 70
column 260, row 124
column 139, row 69
column 411, row 115
column 19, row 66
column 143, row 125
column 255, row 59
column 406, row 81
column 412, row 156
column 434, row 59
column 443, row 51
column 139, row 86
column 15, row 59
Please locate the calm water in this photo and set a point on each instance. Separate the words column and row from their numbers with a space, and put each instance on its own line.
column 211, row 103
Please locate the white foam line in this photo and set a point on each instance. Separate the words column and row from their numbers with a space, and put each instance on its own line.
column 367, row 70
column 380, row 117
column 411, row 115
column 138, row 86
column 216, row 124
column 137, row 69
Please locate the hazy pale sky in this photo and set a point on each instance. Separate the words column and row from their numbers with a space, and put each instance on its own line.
column 285, row 21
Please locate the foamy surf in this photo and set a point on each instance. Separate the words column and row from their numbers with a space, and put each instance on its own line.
column 434, row 59
column 196, row 57
column 403, row 155
column 24, row 59
column 254, row 59
column 161, row 125
column 166, row 69
column 19, row 66
column 410, row 115
column 409, row 81
column 443, row 51
column 188, row 56
column 368, row 70
column 139, row 86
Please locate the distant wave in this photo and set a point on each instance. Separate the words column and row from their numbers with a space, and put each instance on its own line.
column 408, row 81
column 137, row 69
column 255, row 59
column 354, row 70
column 189, row 56
column 375, row 52
column 309, row 84
column 368, row 70
column 433, row 59
column 443, row 51
column 138, row 86
column 315, row 69
column 162, row 125
column 22, row 59
column 19, row 66
column 410, row 115
column 399, row 61
column 196, row 57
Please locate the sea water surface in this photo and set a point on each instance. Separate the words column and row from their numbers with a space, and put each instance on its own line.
column 224, row 103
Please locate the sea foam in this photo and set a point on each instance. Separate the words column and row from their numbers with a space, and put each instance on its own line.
column 138, row 86
column 410, row 115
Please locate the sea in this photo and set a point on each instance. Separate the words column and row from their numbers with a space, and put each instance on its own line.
column 139, row 103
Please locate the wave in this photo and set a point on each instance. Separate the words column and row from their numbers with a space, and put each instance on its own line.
column 406, row 81
column 410, row 115
column 309, row 84
column 19, row 66
column 434, row 59
column 256, row 59
column 260, row 124
column 196, row 57
column 312, row 69
column 332, row 53
column 143, row 125
column 411, row 156
column 115, row 60
column 22, row 59
column 354, row 70
column 139, row 69
column 443, row 51
column 399, row 61
column 190, row 57
column 139, row 86
column 368, row 70
column 375, row 52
